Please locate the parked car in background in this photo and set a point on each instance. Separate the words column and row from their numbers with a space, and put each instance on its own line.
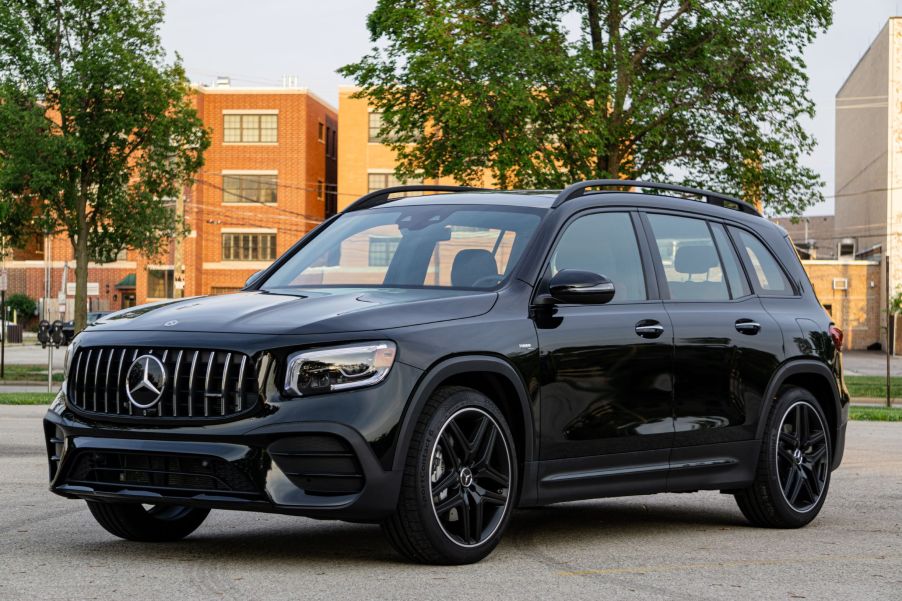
column 433, row 362
column 69, row 326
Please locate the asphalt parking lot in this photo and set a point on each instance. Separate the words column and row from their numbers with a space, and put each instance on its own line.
column 693, row 546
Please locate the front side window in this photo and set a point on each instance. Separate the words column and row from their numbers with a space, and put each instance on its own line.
column 438, row 246
column 605, row 244
column 764, row 267
column 689, row 258
column 250, row 128
column 249, row 188
column 248, row 246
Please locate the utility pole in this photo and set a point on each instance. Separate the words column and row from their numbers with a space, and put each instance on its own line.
column 178, row 275
column 889, row 349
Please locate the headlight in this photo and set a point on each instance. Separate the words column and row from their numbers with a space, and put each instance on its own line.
column 67, row 358
column 339, row 368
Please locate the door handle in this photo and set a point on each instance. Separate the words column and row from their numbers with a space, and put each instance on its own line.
column 649, row 328
column 747, row 326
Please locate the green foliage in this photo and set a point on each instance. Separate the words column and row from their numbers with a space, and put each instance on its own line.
column 876, row 414
column 705, row 93
column 26, row 398
column 97, row 129
column 22, row 304
column 895, row 303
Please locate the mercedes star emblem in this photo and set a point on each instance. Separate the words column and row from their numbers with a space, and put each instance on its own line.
column 145, row 381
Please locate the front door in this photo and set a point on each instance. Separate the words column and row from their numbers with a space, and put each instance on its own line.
column 606, row 377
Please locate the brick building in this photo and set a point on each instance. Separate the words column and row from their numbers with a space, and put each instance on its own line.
column 269, row 177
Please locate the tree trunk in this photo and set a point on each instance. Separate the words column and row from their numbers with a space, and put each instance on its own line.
column 81, row 268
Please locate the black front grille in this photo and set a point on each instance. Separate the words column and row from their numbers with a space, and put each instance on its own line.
column 321, row 464
column 199, row 383
column 173, row 475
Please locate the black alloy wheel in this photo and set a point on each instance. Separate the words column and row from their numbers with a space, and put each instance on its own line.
column 794, row 466
column 460, row 480
column 470, row 473
column 802, row 457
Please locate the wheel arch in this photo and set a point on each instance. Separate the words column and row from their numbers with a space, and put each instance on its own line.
column 494, row 377
column 818, row 379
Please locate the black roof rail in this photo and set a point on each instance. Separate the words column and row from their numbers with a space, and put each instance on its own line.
column 576, row 190
column 380, row 197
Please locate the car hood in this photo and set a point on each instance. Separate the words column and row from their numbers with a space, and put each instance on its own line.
column 302, row 312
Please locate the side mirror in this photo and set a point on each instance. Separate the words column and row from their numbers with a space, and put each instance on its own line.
column 574, row 286
column 253, row 279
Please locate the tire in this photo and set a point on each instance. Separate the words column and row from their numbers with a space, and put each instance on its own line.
column 159, row 523
column 793, row 474
column 460, row 481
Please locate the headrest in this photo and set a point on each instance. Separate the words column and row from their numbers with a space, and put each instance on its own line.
column 471, row 265
column 695, row 259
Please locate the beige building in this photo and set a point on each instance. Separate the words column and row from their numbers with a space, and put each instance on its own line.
column 365, row 163
column 869, row 154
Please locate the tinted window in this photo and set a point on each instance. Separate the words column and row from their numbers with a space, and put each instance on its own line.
column 763, row 266
column 604, row 243
column 739, row 286
column 689, row 258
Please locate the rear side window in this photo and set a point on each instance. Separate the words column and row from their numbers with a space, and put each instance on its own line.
column 739, row 286
column 604, row 243
column 763, row 266
column 689, row 258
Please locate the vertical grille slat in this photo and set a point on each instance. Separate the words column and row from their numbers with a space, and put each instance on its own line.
column 119, row 382
column 101, row 376
column 211, row 361
column 223, row 390
column 106, row 384
column 239, row 396
column 175, row 385
column 191, row 385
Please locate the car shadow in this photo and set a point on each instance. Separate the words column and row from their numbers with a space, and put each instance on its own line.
column 330, row 544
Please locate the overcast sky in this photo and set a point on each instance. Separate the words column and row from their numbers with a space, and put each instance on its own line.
column 257, row 43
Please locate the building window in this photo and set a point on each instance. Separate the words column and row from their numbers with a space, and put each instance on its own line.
column 249, row 188
column 382, row 249
column 375, row 126
column 217, row 290
column 320, row 189
column 320, row 132
column 160, row 282
column 378, row 181
column 334, row 143
column 250, row 128
column 248, row 246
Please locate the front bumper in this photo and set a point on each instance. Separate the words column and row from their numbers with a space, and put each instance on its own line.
column 327, row 457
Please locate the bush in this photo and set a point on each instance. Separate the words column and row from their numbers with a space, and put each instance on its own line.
column 22, row 304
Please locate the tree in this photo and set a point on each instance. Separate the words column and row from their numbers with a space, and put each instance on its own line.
column 700, row 92
column 22, row 304
column 97, row 130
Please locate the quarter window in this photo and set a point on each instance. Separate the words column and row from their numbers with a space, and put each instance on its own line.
column 764, row 268
column 689, row 258
column 250, row 128
column 249, row 188
column 604, row 243
column 248, row 246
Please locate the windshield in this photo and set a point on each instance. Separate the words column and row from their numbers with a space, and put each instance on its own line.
column 437, row 246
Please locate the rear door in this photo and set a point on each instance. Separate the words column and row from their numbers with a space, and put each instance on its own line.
column 726, row 345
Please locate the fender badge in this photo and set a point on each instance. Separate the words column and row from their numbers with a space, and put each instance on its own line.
column 170, row 323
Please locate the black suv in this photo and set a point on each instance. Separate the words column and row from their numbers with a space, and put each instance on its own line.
column 433, row 361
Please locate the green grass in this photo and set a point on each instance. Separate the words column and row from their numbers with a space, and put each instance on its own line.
column 26, row 398
column 872, row 386
column 29, row 373
column 876, row 414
